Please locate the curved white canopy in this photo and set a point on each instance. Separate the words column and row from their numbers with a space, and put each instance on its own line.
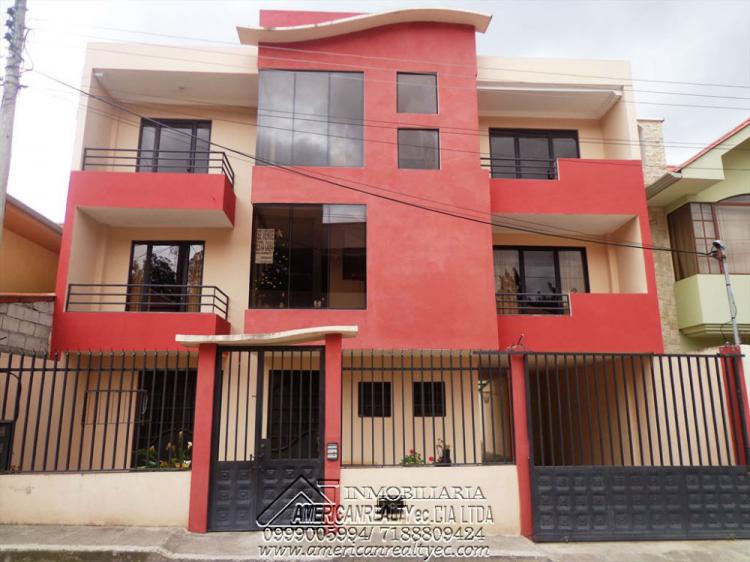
column 255, row 35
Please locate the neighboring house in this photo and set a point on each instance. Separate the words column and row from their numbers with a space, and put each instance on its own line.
column 29, row 252
column 702, row 200
column 352, row 251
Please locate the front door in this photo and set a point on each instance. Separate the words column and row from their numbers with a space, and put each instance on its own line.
column 267, row 441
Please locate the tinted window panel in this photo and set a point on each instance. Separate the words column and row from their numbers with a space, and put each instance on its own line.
column 374, row 399
column 310, row 118
column 530, row 153
column 309, row 256
column 418, row 149
column 174, row 146
column 417, row 93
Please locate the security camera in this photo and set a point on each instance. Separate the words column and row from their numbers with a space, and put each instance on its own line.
column 719, row 245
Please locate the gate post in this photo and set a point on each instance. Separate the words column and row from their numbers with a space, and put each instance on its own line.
column 521, row 438
column 737, row 400
column 200, row 466
column 332, row 421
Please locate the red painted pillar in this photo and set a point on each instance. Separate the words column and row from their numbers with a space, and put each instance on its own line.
column 521, row 436
column 332, row 427
column 200, row 467
column 734, row 384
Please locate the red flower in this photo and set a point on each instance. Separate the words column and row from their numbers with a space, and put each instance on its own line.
column 430, row 459
column 411, row 451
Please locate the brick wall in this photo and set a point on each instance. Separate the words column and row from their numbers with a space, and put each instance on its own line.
column 25, row 323
column 654, row 166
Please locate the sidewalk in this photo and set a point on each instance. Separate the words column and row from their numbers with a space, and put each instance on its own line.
column 151, row 544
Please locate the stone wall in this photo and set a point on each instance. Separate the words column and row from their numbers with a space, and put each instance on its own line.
column 25, row 323
column 654, row 166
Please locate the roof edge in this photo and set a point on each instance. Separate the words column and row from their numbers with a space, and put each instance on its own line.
column 309, row 32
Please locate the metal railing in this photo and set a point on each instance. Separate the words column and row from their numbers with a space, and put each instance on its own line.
column 635, row 410
column 532, row 303
column 140, row 160
column 95, row 412
column 423, row 407
column 90, row 297
column 520, row 168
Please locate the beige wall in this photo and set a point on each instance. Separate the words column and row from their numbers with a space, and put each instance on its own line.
column 26, row 267
column 498, row 485
column 139, row 499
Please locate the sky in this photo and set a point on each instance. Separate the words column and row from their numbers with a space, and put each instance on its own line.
column 684, row 53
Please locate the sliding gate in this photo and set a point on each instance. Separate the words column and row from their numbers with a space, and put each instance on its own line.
column 267, row 436
column 637, row 447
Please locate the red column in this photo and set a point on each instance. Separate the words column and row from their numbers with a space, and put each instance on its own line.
column 737, row 400
column 332, row 427
column 201, row 464
column 521, row 435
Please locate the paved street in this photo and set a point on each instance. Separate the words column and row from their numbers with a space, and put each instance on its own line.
column 150, row 544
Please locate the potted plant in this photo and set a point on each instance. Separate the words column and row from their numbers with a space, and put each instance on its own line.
column 444, row 454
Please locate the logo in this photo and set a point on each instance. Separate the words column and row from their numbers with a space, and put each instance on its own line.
column 301, row 504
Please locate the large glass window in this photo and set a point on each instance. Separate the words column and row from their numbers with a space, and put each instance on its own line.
column 529, row 153
column 165, row 277
column 694, row 227
column 418, row 149
column 309, row 256
column 174, row 146
column 416, row 93
column 534, row 280
column 310, row 118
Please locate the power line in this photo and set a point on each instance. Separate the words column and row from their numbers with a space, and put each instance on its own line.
column 373, row 80
column 369, row 193
column 400, row 59
column 481, row 155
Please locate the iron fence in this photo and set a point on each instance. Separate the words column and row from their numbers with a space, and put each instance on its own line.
column 532, row 303
column 91, row 297
column 635, row 410
column 520, row 168
column 176, row 161
column 418, row 407
column 96, row 411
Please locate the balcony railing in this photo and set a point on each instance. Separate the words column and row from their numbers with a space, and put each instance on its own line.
column 532, row 303
column 520, row 168
column 175, row 161
column 87, row 297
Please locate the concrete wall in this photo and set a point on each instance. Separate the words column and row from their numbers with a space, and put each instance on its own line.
column 498, row 485
column 25, row 325
column 139, row 499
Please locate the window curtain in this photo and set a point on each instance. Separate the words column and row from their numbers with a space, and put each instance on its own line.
column 734, row 229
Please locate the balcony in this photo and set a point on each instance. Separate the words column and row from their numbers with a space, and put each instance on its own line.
column 566, row 186
column 139, row 188
column 138, row 316
column 703, row 306
column 579, row 322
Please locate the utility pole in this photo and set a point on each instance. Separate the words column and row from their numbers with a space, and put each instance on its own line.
column 719, row 252
column 15, row 36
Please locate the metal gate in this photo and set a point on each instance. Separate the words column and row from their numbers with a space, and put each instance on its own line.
column 637, row 447
column 267, row 435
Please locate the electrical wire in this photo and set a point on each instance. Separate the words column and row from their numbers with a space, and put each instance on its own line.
column 413, row 61
column 308, row 175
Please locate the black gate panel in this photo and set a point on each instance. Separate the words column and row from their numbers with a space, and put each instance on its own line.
column 617, row 503
column 646, row 447
column 267, row 437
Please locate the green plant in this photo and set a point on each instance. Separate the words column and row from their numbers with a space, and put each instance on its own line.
column 413, row 458
column 178, row 455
